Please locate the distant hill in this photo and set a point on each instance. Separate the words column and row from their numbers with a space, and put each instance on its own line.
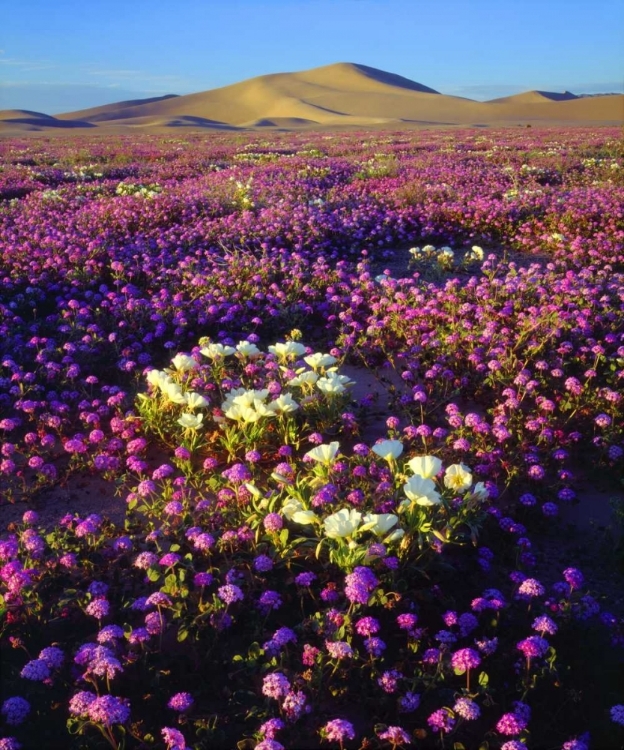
column 347, row 95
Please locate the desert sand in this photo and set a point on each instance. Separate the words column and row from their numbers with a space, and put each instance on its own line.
column 333, row 96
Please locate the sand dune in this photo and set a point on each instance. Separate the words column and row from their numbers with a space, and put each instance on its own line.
column 339, row 95
column 534, row 97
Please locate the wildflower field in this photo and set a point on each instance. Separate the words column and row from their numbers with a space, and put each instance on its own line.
column 341, row 396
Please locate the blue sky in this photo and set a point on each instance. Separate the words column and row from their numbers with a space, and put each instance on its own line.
column 59, row 55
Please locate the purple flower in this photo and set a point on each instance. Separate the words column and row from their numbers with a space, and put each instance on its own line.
column 98, row 608
column 273, row 522
column 145, row 560
column 15, row 710
column 170, row 559
column 533, row 646
column 339, row 649
column 544, row 624
column 9, row 743
column 275, row 685
column 158, row 599
column 573, row 577
column 269, row 744
column 109, row 634
column 174, row 739
column 294, row 705
column 409, row 702
column 530, row 588
column 617, row 714
column 441, row 721
column 269, row 600
column 181, row 701
column 389, row 681
column 203, row 579
column 367, row 626
column 263, row 563
column 359, row 584
column 109, row 710
column 52, row 656
column 511, row 723
column 395, row 735
column 36, row 670
column 270, row 728
column 79, row 703
column 467, row 709
column 305, row 579
column 230, row 594
column 338, row 730
column 374, row 646
column 464, row 659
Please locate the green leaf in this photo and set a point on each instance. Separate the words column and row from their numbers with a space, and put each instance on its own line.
column 183, row 634
column 153, row 574
column 283, row 537
column 484, row 679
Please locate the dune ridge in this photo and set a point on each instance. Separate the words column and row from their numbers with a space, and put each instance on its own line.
column 337, row 95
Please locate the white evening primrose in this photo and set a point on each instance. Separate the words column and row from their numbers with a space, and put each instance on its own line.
column 191, row 421
column 288, row 350
column 480, row 492
column 174, row 393
column 241, row 413
column 305, row 517
column 304, row 378
column 388, row 449
column 395, row 536
column 477, row 252
column 247, row 349
column 283, row 404
column 158, row 378
column 195, row 401
column 318, row 359
column 217, row 351
column 333, row 384
column 324, row 454
column 379, row 523
column 290, row 507
column 457, row 477
column 421, row 491
column 184, row 363
column 263, row 410
column 426, row 467
column 342, row 523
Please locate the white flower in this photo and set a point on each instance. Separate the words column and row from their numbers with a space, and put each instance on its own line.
column 241, row 413
column 290, row 507
column 395, row 536
column 380, row 523
column 457, row 477
column 217, row 351
column 158, row 378
column 184, row 363
column 421, row 491
column 191, row 421
column 426, row 467
column 287, row 350
column 333, row 384
column 388, row 449
column 343, row 523
column 253, row 489
column 304, row 378
column 317, row 360
column 324, row 454
column 195, row 400
column 262, row 409
column 477, row 252
column 284, row 404
column 480, row 492
column 174, row 393
column 247, row 349
column 304, row 517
